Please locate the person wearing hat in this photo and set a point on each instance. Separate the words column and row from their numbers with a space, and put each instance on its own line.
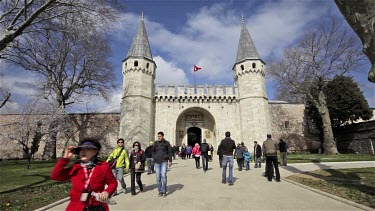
column 149, row 158
column 122, row 161
column 88, row 176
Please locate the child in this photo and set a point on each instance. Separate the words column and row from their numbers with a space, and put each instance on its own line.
column 247, row 157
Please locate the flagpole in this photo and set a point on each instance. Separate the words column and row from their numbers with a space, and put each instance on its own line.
column 195, row 91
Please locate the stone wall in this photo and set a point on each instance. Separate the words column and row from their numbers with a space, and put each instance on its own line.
column 358, row 137
column 104, row 126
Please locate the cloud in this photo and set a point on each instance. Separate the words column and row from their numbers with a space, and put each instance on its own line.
column 209, row 37
column 168, row 73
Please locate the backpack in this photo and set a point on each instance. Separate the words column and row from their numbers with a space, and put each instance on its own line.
column 204, row 148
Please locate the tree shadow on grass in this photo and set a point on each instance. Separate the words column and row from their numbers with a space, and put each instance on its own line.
column 45, row 179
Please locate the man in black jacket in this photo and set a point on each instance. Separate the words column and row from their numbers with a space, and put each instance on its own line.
column 283, row 147
column 226, row 147
column 149, row 159
column 204, row 153
column 257, row 155
column 162, row 154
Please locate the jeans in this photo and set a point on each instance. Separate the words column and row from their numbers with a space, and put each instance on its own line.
column 150, row 165
column 227, row 159
column 247, row 163
column 271, row 162
column 205, row 162
column 133, row 176
column 161, row 176
column 119, row 175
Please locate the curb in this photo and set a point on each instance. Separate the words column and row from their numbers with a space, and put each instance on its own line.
column 53, row 204
column 346, row 201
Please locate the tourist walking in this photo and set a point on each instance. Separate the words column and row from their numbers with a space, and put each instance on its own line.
column 270, row 148
column 189, row 149
column 247, row 158
column 238, row 153
column 212, row 152
column 257, row 155
column 244, row 148
column 174, row 152
column 137, row 166
column 149, row 158
column 119, row 160
column 183, row 151
column 283, row 147
column 205, row 148
column 88, row 177
column 197, row 155
column 227, row 146
column 220, row 153
column 162, row 154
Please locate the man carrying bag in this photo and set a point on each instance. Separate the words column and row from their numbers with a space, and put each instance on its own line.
column 117, row 160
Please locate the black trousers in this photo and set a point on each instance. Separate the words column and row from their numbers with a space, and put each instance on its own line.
column 197, row 161
column 271, row 163
column 183, row 155
column 240, row 163
column 133, row 176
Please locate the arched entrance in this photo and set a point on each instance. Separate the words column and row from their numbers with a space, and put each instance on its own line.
column 195, row 124
column 194, row 135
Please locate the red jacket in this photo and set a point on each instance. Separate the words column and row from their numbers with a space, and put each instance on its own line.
column 101, row 176
column 196, row 150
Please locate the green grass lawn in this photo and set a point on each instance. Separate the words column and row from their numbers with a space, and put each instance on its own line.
column 29, row 189
column 357, row 185
column 310, row 158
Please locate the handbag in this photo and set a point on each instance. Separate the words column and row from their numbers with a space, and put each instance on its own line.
column 95, row 208
column 113, row 161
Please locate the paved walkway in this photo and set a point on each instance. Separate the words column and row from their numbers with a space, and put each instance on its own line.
column 191, row 189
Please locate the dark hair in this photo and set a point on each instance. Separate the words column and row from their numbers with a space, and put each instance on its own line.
column 161, row 133
column 255, row 142
column 139, row 144
column 281, row 140
column 120, row 139
column 227, row 134
column 242, row 143
column 269, row 136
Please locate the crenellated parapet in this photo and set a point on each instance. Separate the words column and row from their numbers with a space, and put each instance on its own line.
column 240, row 72
column 201, row 93
column 146, row 71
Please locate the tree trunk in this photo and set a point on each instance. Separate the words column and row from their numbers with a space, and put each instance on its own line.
column 329, row 140
column 50, row 147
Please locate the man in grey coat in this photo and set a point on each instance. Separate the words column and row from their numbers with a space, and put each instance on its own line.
column 270, row 148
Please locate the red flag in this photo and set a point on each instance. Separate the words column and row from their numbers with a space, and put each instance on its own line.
column 196, row 68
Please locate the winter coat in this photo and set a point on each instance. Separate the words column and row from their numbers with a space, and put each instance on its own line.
column 238, row 152
column 283, row 146
column 122, row 161
column 247, row 156
column 196, row 151
column 136, row 157
column 270, row 147
column 257, row 151
column 188, row 150
column 162, row 151
column 101, row 176
column 227, row 146
column 148, row 152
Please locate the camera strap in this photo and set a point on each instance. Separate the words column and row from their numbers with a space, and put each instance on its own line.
column 87, row 176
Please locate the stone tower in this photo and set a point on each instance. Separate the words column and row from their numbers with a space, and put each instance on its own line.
column 137, row 106
column 249, row 76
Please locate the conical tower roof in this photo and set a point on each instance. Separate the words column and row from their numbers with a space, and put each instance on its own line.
column 246, row 47
column 140, row 46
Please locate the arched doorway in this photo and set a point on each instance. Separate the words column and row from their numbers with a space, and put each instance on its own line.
column 194, row 135
column 195, row 123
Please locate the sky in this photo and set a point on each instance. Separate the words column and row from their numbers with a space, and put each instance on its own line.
column 203, row 33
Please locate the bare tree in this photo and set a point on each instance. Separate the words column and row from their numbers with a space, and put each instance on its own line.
column 360, row 14
column 18, row 17
column 323, row 53
column 4, row 96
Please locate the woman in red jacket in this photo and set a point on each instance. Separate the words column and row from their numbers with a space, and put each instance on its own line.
column 88, row 177
column 197, row 155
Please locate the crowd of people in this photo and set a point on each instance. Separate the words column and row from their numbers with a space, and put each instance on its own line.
column 94, row 192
